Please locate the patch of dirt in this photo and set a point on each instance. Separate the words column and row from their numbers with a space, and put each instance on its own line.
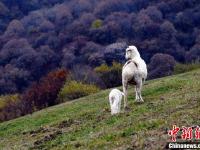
column 77, row 145
column 128, row 109
column 40, row 130
column 48, row 137
column 162, row 98
column 65, row 123
column 106, row 110
column 138, row 102
column 148, row 140
column 49, row 133
column 99, row 118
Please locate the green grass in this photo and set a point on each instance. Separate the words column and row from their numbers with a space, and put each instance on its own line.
column 181, row 68
column 86, row 123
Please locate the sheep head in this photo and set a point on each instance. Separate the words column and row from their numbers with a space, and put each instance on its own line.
column 132, row 52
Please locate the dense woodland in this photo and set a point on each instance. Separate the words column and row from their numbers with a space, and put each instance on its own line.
column 38, row 36
column 57, row 50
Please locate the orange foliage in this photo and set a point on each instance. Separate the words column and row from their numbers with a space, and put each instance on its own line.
column 44, row 93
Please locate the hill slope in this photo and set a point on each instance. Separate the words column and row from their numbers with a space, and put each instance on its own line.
column 87, row 124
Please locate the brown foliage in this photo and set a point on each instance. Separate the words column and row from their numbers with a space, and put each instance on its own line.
column 44, row 93
column 39, row 95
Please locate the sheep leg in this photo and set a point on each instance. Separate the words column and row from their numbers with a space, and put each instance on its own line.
column 125, row 86
column 136, row 95
column 119, row 105
column 139, row 89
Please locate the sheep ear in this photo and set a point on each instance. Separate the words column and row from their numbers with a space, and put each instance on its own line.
column 122, row 93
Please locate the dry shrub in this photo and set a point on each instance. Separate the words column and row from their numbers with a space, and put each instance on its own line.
column 75, row 89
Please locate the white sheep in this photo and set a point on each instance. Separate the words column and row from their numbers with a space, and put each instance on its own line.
column 134, row 72
column 115, row 97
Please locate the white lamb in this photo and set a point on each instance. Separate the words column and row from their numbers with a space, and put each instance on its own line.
column 134, row 72
column 115, row 98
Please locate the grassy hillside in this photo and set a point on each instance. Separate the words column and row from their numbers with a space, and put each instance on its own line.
column 86, row 123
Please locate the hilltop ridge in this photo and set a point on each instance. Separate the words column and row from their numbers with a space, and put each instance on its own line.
column 86, row 123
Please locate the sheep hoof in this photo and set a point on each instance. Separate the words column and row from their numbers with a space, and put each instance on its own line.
column 137, row 100
column 141, row 100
